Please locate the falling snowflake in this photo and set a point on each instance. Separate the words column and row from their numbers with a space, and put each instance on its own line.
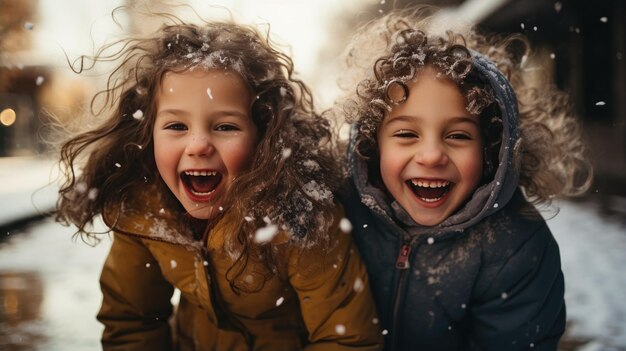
column 147, row 265
column 358, row 285
column 600, row 103
column 286, row 153
column 39, row 80
column 81, row 187
column 173, row 264
column 138, row 114
column 340, row 329
column 266, row 233
column 208, row 92
column 604, row 19
column 345, row 225
column 558, row 6
column 92, row 194
column 29, row 26
column 280, row 301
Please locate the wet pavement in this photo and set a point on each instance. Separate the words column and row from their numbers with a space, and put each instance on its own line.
column 49, row 293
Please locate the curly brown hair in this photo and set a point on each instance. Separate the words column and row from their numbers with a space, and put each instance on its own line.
column 553, row 160
column 294, row 170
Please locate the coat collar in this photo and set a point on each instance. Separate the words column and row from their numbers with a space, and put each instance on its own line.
column 145, row 213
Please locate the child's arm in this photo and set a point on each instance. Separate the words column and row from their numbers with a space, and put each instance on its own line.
column 522, row 307
column 136, row 299
column 335, row 298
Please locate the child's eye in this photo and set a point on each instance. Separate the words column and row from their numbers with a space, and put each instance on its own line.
column 176, row 126
column 227, row 128
column 404, row 134
column 460, row 136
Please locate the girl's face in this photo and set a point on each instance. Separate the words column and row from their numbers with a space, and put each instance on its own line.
column 204, row 136
column 431, row 150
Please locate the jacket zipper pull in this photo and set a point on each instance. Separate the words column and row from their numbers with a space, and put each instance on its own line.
column 403, row 257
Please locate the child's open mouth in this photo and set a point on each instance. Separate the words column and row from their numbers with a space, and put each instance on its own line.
column 429, row 190
column 201, row 183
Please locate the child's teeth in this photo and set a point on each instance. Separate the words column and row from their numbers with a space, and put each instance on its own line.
column 202, row 194
column 200, row 173
column 430, row 184
column 430, row 200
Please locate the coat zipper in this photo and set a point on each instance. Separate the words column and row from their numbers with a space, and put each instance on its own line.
column 402, row 264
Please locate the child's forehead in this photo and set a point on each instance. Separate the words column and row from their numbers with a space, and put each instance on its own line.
column 181, row 76
column 205, row 83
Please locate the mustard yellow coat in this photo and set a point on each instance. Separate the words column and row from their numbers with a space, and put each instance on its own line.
column 322, row 303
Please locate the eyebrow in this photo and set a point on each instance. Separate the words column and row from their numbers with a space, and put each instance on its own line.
column 179, row 112
column 407, row 118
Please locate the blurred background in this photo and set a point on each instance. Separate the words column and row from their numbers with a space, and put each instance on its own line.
column 49, row 291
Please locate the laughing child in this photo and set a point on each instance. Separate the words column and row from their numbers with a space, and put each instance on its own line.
column 449, row 151
column 213, row 173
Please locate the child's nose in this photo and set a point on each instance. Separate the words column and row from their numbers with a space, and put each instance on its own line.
column 199, row 145
column 431, row 154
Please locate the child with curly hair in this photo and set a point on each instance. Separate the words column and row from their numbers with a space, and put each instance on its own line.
column 215, row 176
column 449, row 151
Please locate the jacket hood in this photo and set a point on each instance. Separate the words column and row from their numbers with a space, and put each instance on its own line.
column 487, row 199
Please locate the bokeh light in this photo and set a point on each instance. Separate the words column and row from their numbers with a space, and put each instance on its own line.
column 7, row 117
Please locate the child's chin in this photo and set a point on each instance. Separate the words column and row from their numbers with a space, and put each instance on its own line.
column 426, row 221
column 202, row 211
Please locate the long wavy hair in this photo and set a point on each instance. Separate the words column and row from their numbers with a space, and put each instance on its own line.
column 294, row 170
column 389, row 51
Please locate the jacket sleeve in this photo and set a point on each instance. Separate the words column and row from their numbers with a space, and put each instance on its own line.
column 136, row 299
column 335, row 298
column 522, row 307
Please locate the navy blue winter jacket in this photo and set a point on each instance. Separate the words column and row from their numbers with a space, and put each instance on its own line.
column 487, row 278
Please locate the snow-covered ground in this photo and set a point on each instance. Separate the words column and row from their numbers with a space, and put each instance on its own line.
column 593, row 254
column 57, row 277
column 27, row 187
